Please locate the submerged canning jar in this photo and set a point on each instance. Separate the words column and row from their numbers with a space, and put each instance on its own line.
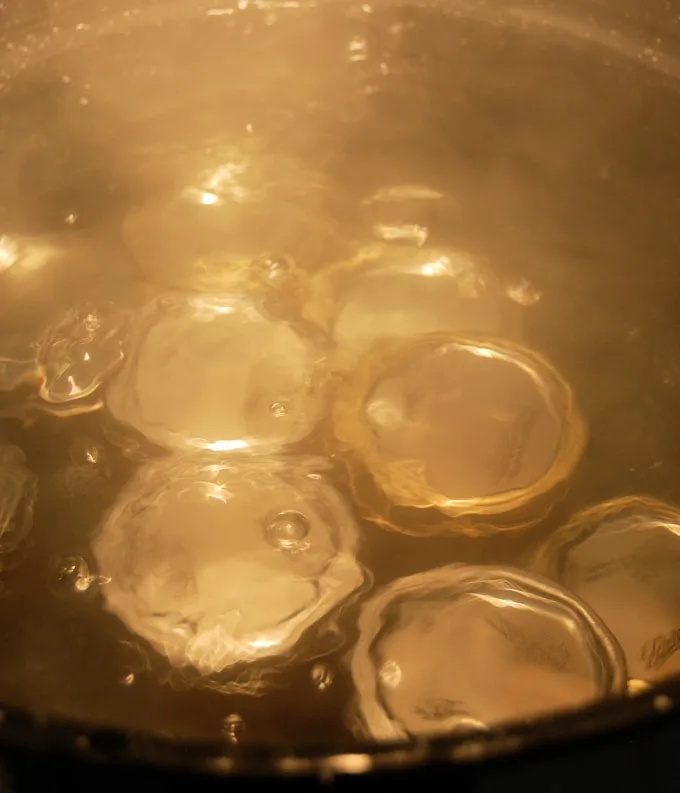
column 466, row 647
column 65, row 305
column 216, row 562
column 404, row 291
column 205, row 218
column 219, row 373
column 460, row 435
column 622, row 557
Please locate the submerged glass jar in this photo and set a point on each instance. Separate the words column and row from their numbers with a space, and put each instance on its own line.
column 463, row 648
column 220, row 373
column 218, row 563
column 622, row 557
column 403, row 292
column 481, row 433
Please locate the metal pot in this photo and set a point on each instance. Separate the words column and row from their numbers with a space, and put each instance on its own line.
column 537, row 140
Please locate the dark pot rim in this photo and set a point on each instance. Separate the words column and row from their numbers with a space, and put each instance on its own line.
column 40, row 734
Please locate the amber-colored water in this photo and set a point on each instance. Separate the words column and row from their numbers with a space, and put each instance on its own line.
column 554, row 162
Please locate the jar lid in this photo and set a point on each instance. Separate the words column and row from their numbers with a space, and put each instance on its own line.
column 218, row 373
column 216, row 210
column 216, row 563
column 63, row 308
column 79, row 351
column 465, row 648
column 622, row 557
column 403, row 292
column 469, row 427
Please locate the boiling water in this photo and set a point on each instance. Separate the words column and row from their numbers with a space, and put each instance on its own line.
column 316, row 139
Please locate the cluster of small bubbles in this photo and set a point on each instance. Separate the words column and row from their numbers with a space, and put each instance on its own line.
column 524, row 293
column 73, row 575
column 233, row 727
column 322, row 676
column 71, row 218
column 288, row 531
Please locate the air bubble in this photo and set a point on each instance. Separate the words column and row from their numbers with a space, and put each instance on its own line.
column 279, row 409
column 128, row 680
column 408, row 192
column 73, row 575
column 402, row 232
column 357, row 50
column 288, row 531
column 322, row 676
column 390, row 674
column 233, row 727
column 524, row 293
column 274, row 270
column 92, row 455
column 662, row 703
column 82, row 743
column 88, row 470
column 85, row 452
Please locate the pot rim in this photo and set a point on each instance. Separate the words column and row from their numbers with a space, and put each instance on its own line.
column 38, row 733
